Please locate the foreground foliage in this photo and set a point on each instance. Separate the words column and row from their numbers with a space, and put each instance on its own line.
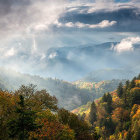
column 28, row 114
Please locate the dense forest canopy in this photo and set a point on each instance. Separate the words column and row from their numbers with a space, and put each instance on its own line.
column 32, row 114
column 29, row 113
column 116, row 115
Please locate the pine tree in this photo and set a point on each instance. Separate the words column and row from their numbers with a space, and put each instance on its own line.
column 132, row 83
column 120, row 90
column 104, row 98
column 25, row 122
column 92, row 115
column 109, row 103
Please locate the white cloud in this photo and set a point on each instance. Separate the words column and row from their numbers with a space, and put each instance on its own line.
column 52, row 55
column 102, row 24
column 69, row 24
column 10, row 52
column 126, row 44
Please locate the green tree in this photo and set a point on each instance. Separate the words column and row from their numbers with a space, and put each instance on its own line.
column 92, row 115
column 109, row 103
column 80, row 127
column 108, row 99
column 132, row 83
column 120, row 90
column 24, row 123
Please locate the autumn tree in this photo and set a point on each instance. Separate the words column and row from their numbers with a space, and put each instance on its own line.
column 80, row 127
column 37, row 100
column 51, row 129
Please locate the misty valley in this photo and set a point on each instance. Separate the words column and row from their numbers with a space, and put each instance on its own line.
column 69, row 69
column 33, row 107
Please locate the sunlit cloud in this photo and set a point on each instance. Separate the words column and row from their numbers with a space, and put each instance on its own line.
column 126, row 45
column 102, row 24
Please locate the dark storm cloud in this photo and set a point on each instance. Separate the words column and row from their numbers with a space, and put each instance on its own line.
column 128, row 19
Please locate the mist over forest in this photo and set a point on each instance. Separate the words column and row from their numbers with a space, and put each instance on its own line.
column 69, row 69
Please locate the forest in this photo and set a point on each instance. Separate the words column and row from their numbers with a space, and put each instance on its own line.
column 31, row 114
column 116, row 115
column 28, row 113
column 69, row 69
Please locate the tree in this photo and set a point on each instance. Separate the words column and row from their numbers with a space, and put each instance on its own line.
column 24, row 123
column 138, row 78
column 37, row 100
column 108, row 99
column 120, row 90
column 132, row 83
column 80, row 127
column 92, row 115
column 109, row 103
column 51, row 128
column 135, row 96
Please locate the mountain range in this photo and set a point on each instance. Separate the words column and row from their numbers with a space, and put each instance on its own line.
column 68, row 64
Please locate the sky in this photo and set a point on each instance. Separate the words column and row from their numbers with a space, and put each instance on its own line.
column 29, row 29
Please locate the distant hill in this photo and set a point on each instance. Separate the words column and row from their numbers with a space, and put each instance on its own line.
column 108, row 74
column 69, row 95
column 72, row 63
column 99, row 88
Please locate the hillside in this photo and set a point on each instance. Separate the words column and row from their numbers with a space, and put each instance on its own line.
column 99, row 88
column 116, row 115
column 68, row 95
column 108, row 74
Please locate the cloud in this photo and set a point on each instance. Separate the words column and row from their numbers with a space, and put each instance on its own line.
column 10, row 52
column 52, row 55
column 30, row 27
column 126, row 44
column 93, row 6
column 102, row 24
column 28, row 16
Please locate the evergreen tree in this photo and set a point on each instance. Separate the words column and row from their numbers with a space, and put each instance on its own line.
column 132, row 83
column 104, row 98
column 109, row 103
column 138, row 78
column 92, row 115
column 120, row 90
column 127, row 84
column 24, row 123
column 108, row 99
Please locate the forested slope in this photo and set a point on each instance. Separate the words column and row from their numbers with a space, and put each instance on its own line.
column 70, row 95
column 116, row 115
